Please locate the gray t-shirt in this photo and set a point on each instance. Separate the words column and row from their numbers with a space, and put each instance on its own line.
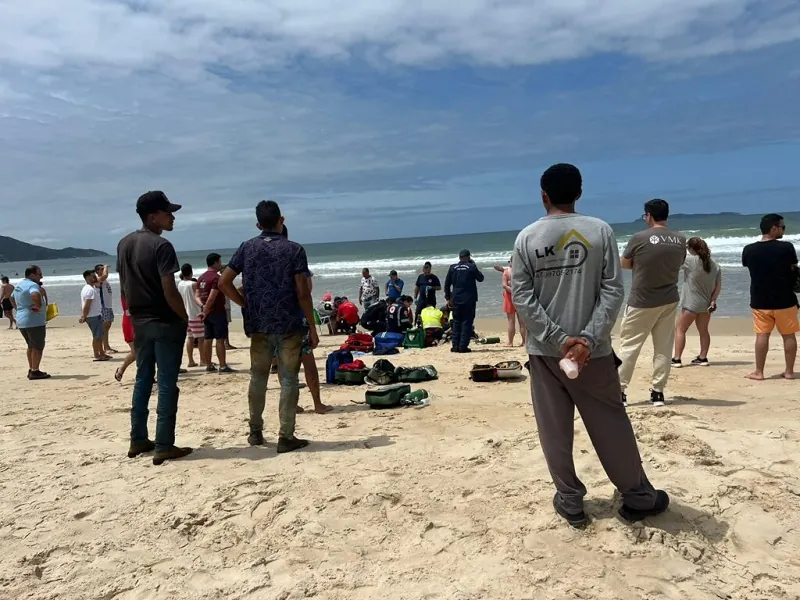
column 567, row 281
column 657, row 254
column 698, row 285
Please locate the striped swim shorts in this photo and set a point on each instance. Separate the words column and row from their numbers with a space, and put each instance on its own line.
column 196, row 329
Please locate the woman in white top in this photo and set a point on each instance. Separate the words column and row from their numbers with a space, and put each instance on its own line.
column 702, row 283
column 187, row 287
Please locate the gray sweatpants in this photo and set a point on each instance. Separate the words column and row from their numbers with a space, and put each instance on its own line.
column 597, row 395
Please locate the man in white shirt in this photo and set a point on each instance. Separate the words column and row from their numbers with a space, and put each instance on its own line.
column 92, row 314
column 187, row 287
column 369, row 293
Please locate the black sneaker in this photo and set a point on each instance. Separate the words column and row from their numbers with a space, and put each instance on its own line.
column 632, row 515
column 700, row 362
column 657, row 398
column 256, row 438
column 34, row 375
column 576, row 520
column 290, row 444
column 211, row 369
column 160, row 456
column 465, row 350
column 226, row 369
column 137, row 448
column 677, row 364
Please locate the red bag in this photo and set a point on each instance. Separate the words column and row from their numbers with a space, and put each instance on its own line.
column 356, row 365
column 359, row 342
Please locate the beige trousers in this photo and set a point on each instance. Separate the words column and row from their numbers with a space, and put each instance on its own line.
column 637, row 325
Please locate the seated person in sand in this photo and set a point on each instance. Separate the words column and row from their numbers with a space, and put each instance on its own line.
column 327, row 312
column 399, row 317
column 346, row 317
column 433, row 321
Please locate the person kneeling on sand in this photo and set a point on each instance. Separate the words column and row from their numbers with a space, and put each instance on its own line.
column 571, row 317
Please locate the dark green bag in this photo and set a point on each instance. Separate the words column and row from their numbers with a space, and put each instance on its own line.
column 382, row 373
column 387, row 396
column 350, row 377
column 414, row 338
column 416, row 374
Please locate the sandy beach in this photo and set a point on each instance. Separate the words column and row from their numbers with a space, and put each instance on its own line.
column 449, row 501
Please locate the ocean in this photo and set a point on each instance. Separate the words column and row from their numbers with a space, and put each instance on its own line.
column 337, row 266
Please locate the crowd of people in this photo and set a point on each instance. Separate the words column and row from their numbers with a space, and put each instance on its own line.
column 562, row 287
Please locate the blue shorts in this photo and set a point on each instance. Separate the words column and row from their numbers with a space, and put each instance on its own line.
column 216, row 327
column 95, row 326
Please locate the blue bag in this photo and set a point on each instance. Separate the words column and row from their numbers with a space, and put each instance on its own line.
column 334, row 361
column 386, row 340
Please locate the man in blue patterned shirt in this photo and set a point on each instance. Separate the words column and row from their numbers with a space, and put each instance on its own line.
column 277, row 296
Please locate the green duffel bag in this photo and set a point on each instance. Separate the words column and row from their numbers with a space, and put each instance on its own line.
column 350, row 377
column 389, row 396
column 416, row 374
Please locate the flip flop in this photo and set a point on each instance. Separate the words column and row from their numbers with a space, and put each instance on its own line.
column 103, row 359
column 118, row 375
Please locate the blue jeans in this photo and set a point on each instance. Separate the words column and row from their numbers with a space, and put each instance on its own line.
column 463, row 323
column 157, row 345
column 263, row 348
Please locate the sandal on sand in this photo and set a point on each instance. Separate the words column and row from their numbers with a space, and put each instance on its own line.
column 118, row 374
column 102, row 359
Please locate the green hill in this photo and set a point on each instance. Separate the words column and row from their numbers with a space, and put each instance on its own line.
column 12, row 250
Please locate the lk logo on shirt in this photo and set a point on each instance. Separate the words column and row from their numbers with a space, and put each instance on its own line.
column 563, row 258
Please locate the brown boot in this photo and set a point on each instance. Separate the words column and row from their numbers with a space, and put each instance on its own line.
column 137, row 448
column 159, row 456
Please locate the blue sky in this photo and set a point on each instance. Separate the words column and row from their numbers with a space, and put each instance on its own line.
column 375, row 118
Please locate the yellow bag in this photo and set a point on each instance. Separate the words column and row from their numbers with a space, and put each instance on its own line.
column 52, row 312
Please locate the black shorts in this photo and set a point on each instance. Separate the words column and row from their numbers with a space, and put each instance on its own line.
column 7, row 304
column 34, row 336
column 216, row 327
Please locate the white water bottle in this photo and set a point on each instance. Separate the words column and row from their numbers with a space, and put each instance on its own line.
column 570, row 367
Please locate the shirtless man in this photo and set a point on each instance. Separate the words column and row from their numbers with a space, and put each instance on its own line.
column 5, row 299
column 508, row 306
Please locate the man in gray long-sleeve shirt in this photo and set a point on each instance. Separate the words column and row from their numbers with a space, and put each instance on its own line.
column 567, row 288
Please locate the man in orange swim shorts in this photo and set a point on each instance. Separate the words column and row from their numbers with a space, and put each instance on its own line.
column 773, row 275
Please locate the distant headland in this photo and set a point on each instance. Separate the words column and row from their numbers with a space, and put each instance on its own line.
column 12, row 250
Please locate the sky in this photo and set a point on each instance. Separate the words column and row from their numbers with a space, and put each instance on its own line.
column 368, row 119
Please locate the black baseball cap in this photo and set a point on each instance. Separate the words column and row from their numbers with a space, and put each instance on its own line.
column 464, row 254
column 151, row 202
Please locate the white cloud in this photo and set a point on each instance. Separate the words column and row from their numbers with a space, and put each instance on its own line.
column 247, row 34
column 329, row 105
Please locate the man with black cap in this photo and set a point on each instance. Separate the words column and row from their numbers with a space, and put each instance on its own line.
column 461, row 293
column 147, row 264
